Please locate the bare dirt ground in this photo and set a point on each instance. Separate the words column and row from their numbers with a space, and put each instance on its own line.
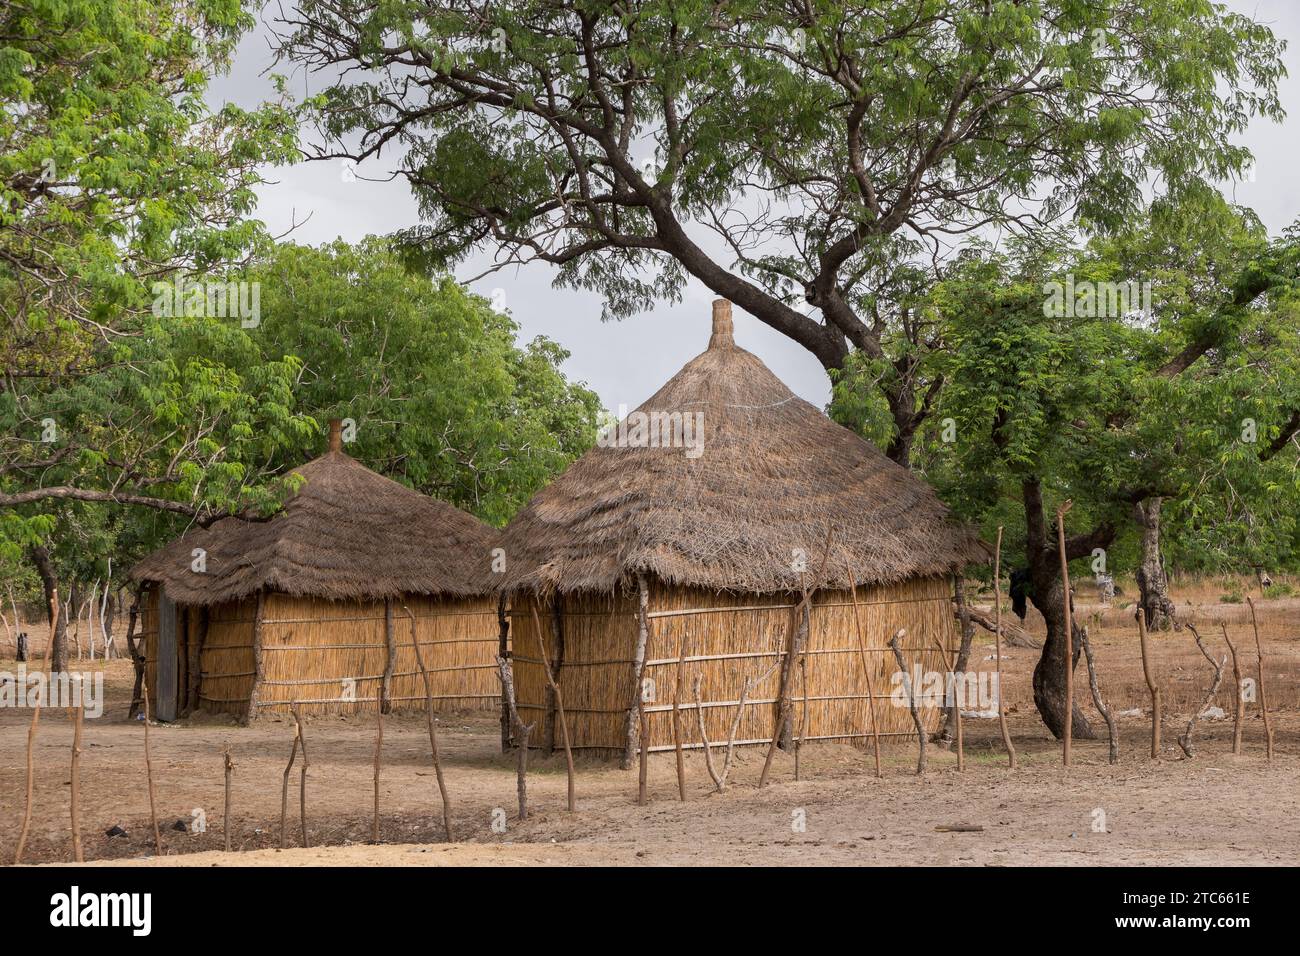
column 1214, row 809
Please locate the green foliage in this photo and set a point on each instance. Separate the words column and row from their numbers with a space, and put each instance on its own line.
column 442, row 397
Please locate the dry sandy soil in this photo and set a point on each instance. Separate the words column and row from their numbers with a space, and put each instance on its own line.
column 1214, row 809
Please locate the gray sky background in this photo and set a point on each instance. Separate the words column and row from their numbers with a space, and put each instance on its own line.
column 625, row 362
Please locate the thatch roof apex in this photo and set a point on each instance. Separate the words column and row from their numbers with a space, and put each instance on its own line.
column 347, row 533
column 726, row 479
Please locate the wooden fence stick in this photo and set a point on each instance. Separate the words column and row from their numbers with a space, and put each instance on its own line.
column 1152, row 686
column 77, row 716
column 225, row 816
column 951, row 664
column 1185, row 741
column 284, row 792
column 522, row 733
column 1263, row 699
column 433, row 734
column 911, row 696
column 1111, row 730
column 302, row 776
column 997, row 644
column 379, row 738
column 148, row 769
column 866, row 669
column 1067, row 730
column 1239, row 705
column 559, row 706
column 31, row 729
column 677, row 720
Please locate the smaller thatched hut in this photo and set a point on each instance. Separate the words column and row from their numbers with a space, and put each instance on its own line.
column 318, row 605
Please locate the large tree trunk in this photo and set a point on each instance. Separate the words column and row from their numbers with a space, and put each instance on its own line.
column 1153, row 585
column 1048, row 596
column 45, row 568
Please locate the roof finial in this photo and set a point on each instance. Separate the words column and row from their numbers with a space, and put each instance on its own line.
column 336, row 434
column 721, row 338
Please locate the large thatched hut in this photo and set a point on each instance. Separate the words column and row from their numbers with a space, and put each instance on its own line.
column 317, row 606
column 677, row 550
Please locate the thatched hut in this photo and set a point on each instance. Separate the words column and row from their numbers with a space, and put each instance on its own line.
column 317, row 606
column 678, row 549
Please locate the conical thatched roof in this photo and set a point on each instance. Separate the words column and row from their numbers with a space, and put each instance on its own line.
column 348, row 533
column 771, row 477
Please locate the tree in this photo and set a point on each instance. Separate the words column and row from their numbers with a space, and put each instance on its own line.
column 440, row 395
column 1058, row 389
column 816, row 143
column 114, row 175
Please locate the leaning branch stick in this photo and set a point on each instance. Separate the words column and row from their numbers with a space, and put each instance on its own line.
column 31, row 730
column 1239, row 705
column 911, row 696
column 284, row 792
column 78, row 713
column 559, row 704
column 997, row 641
column 522, row 733
column 379, row 732
column 1185, row 741
column 1067, row 730
column 302, row 776
column 1096, row 696
column 866, row 668
column 1263, row 700
column 951, row 664
column 148, row 770
column 433, row 735
column 225, row 816
column 1152, row 686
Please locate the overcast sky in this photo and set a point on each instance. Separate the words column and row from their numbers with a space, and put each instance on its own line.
column 625, row 362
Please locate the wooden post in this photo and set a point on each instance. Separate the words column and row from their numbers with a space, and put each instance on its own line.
column 911, row 696
column 677, row 719
column 643, row 724
column 1111, row 730
column 1067, row 733
column 951, row 665
column 1263, row 699
column 866, row 668
column 503, row 653
column 638, row 666
column 433, row 734
column 522, row 730
column 379, row 737
column 1238, row 704
column 390, row 660
column 31, row 729
column 225, row 816
column 284, row 792
column 194, row 667
column 1152, row 686
column 783, row 695
column 148, row 770
column 302, row 776
column 559, row 705
column 259, row 671
column 997, row 643
column 137, row 657
column 78, row 713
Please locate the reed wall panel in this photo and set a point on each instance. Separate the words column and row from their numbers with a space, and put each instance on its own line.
column 330, row 656
column 725, row 639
